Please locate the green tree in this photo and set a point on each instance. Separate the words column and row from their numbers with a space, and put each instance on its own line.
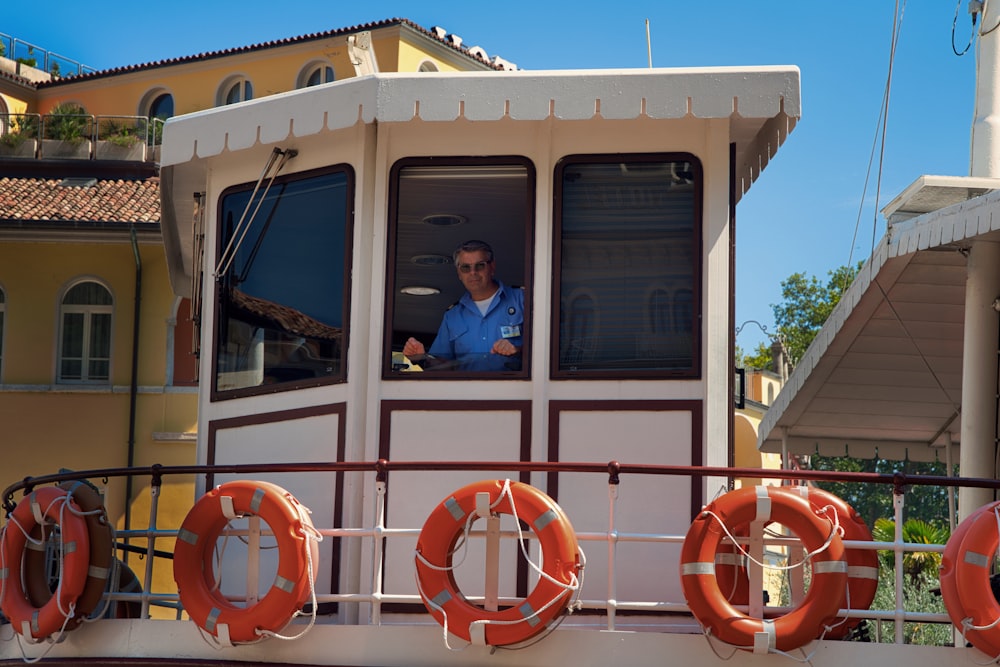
column 759, row 358
column 806, row 304
column 918, row 595
column 874, row 501
column 915, row 531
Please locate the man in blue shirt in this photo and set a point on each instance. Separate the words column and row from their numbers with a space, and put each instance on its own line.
column 483, row 331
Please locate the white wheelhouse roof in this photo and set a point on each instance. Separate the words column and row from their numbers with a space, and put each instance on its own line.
column 884, row 375
column 762, row 105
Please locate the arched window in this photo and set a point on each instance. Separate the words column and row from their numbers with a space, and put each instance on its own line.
column 314, row 74
column 235, row 89
column 161, row 107
column 659, row 312
column 4, row 118
column 581, row 330
column 85, row 333
column 427, row 66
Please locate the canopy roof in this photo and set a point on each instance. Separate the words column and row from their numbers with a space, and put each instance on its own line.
column 884, row 375
column 762, row 105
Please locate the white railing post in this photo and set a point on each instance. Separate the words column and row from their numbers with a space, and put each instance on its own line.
column 154, row 501
column 612, row 550
column 377, row 548
column 897, row 503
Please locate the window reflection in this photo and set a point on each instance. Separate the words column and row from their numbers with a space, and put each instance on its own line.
column 283, row 300
column 629, row 239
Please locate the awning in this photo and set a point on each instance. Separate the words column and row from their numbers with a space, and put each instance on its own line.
column 884, row 375
column 762, row 105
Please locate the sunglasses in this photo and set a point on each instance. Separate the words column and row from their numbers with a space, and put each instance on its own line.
column 478, row 267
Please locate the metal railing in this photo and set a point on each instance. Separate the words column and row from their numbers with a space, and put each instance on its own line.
column 377, row 533
column 23, row 53
column 80, row 136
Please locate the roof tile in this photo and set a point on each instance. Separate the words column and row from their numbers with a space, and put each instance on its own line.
column 107, row 200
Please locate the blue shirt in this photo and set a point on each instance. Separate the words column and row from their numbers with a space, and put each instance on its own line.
column 467, row 336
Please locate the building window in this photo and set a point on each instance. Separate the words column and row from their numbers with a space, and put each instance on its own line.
column 235, row 89
column 315, row 74
column 3, row 309
column 436, row 206
column 427, row 66
column 85, row 333
column 162, row 107
column 284, row 297
column 628, row 236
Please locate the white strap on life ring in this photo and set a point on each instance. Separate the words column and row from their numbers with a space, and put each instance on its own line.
column 763, row 504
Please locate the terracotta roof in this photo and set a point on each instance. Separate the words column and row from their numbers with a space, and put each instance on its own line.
column 285, row 317
column 266, row 45
column 102, row 200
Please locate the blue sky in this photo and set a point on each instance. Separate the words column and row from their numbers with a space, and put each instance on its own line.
column 800, row 216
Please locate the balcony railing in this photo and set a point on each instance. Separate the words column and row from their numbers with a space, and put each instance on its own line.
column 17, row 56
column 80, row 137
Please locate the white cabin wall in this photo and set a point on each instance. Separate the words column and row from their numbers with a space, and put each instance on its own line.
column 716, row 324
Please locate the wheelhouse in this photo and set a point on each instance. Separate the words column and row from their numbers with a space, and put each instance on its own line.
column 314, row 231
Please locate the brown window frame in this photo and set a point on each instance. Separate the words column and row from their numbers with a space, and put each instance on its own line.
column 694, row 369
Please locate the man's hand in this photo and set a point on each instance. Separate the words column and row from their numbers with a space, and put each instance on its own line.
column 505, row 348
column 414, row 348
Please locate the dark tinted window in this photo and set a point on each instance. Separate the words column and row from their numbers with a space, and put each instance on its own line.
column 283, row 298
column 629, row 263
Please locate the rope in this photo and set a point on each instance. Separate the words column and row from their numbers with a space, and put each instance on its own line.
column 575, row 584
column 836, row 530
column 309, row 533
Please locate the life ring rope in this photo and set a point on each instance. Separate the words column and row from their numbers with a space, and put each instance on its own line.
column 463, row 544
column 290, row 510
column 110, row 573
column 309, row 532
column 40, row 517
column 835, row 531
column 528, row 613
column 40, row 514
column 967, row 623
column 717, row 616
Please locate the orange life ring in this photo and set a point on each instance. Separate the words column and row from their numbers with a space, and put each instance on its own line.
column 862, row 564
column 550, row 596
column 127, row 583
column 42, row 505
column 101, row 555
column 965, row 578
column 193, row 560
column 717, row 615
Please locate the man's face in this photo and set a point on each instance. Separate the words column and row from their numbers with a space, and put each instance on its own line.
column 475, row 272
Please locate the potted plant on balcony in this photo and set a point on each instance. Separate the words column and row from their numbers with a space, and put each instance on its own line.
column 66, row 132
column 20, row 137
column 118, row 140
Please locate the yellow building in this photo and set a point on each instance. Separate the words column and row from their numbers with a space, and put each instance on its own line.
column 96, row 362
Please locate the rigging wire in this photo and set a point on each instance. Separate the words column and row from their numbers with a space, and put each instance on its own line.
column 878, row 141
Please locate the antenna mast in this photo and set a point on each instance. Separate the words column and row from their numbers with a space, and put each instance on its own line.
column 649, row 46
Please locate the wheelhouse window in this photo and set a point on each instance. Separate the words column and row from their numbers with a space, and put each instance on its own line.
column 467, row 309
column 627, row 284
column 85, row 317
column 3, row 308
column 283, row 285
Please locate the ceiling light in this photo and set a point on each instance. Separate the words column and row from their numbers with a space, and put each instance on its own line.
column 419, row 290
column 444, row 219
column 430, row 260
